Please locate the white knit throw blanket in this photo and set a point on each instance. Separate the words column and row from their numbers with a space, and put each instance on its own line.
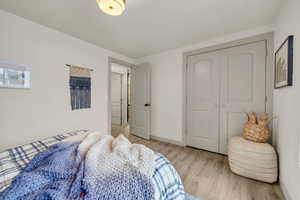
column 117, row 169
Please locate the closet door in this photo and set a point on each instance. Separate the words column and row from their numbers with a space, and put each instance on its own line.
column 243, row 88
column 203, row 101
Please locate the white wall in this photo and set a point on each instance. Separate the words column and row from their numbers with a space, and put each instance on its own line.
column 167, row 91
column 287, row 104
column 119, row 68
column 44, row 110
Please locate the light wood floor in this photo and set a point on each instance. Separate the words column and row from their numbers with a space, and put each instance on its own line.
column 207, row 175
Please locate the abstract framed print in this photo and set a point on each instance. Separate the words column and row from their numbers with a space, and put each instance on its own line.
column 14, row 75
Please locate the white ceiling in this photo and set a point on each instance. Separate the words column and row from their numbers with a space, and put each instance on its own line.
column 147, row 26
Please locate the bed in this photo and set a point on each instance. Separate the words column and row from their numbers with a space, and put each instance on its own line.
column 167, row 183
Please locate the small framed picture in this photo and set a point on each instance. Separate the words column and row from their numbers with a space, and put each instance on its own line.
column 14, row 75
column 284, row 64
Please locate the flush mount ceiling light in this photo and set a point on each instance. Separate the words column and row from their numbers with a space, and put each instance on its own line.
column 112, row 7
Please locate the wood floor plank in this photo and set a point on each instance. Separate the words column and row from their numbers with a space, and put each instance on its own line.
column 207, row 175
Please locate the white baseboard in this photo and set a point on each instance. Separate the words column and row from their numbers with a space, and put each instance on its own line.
column 167, row 140
column 285, row 191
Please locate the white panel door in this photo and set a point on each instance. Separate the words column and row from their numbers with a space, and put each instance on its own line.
column 243, row 88
column 203, row 101
column 116, row 98
column 140, row 110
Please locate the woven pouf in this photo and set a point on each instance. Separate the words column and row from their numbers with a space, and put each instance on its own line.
column 253, row 160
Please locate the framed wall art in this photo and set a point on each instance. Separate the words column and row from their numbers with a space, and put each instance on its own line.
column 284, row 64
column 14, row 75
column 80, row 87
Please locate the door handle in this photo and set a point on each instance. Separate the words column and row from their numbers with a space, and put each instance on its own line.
column 147, row 105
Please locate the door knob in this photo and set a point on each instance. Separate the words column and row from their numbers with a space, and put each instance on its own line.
column 147, row 104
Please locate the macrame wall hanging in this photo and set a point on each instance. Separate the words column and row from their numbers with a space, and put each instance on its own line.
column 80, row 87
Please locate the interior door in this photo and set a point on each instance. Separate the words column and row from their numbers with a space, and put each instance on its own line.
column 203, row 101
column 116, row 99
column 243, row 88
column 140, row 109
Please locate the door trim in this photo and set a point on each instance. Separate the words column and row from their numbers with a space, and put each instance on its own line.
column 268, row 38
column 120, row 62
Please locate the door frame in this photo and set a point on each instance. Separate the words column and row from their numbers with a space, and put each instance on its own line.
column 268, row 38
column 112, row 60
